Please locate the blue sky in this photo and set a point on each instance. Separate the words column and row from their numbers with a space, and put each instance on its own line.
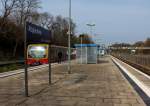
column 116, row 20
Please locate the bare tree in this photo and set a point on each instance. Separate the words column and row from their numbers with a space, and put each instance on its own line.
column 86, row 38
column 45, row 19
column 147, row 42
column 25, row 9
column 8, row 7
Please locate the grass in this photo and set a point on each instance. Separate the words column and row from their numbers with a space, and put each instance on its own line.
column 11, row 67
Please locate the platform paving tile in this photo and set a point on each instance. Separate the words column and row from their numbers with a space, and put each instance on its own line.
column 88, row 85
column 122, row 105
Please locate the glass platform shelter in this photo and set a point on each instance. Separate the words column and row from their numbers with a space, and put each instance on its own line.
column 86, row 53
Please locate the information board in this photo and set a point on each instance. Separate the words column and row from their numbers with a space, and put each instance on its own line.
column 37, row 34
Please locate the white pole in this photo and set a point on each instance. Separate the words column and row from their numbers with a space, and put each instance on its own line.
column 69, row 51
column 81, row 51
column 91, row 28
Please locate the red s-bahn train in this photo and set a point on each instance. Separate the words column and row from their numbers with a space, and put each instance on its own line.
column 37, row 54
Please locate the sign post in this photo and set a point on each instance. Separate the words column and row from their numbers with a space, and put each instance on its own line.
column 49, row 62
column 34, row 34
column 25, row 62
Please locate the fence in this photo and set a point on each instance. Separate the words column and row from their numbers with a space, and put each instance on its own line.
column 138, row 59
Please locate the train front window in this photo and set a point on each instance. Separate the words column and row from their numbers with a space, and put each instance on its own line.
column 37, row 52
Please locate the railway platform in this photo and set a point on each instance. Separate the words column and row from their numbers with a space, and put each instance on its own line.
column 139, row 80
column 100, row 84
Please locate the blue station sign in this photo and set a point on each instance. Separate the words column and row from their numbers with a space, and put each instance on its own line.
column 37, row 34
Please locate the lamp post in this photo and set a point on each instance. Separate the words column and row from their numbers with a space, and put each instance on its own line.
column 69, row 43
column 91, row 26
column 81, row 42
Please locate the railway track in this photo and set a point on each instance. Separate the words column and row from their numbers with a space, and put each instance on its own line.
column 142, row 68
column 20, row 71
